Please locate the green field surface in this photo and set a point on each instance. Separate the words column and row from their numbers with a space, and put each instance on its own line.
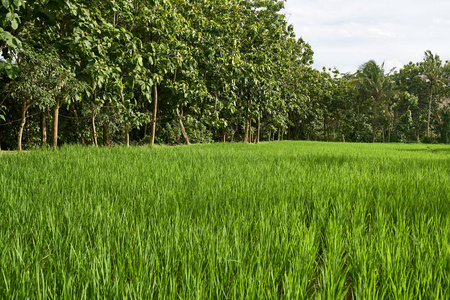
column 282, row 220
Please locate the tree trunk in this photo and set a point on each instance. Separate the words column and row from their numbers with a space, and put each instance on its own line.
column 43, row 129
column 279, row 133
column 250, row 134
column 183, row 131
column 94, row 131
column 389, row 134
column 22, row 125
column 224, row 135
column 429, row 111
column 55, row 123
column 106, row 141
column 127, row 135
column 155, row 110
column 127, row 130
column 258, row 130
column 374, row 120
column 234, row 132
column 77, row 122
column 247, row 125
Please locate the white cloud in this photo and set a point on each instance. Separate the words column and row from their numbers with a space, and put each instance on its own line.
column 347, row 33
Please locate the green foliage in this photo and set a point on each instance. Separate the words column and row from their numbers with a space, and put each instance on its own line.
column 198, row 131
column 445, row 126
column 9, row 43
column 234, row 69
column 43, row 77
column 2, row 112
column 169, row 134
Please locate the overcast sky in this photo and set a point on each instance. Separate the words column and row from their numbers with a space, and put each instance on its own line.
column 347, row 33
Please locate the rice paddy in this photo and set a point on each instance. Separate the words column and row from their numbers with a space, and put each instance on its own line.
column 283, row 220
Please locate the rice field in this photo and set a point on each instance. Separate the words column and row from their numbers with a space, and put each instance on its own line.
column 283, row 220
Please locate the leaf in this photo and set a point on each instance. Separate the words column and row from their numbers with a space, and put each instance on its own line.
column 14, row 24
column 5, row 3
column 12, row 71
column 6, row 36
column 18, row 3
column 2, row 117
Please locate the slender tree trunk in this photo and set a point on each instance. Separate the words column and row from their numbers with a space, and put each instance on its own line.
column 22, row 124
column 246, row 127
column 127, row 130
column 234, row 132
column 77, row 122
column 258, row 130
column 155, row 110
column 183, row 131
column 224, row 135
column 250, row 134
column 55, row 123
column 389, row 134
column 429, row 110
column 94, row 131
column 127, row 135
column 106, row 141
column 279, row 133
column 43, row 128
column 374, row 120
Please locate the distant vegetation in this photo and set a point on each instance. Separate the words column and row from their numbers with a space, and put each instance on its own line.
column 142, row 72
column 291, row 220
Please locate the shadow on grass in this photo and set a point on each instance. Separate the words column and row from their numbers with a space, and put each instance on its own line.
column 427, row 150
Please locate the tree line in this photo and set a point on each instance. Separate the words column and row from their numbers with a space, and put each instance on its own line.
column 152, row 71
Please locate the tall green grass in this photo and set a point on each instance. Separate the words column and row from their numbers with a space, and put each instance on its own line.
column 288, row 220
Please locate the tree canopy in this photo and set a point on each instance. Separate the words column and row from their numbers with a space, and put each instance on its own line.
column 145, row 72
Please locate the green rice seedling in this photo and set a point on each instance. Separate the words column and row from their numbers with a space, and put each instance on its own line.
column 334, row 272
column 287, row 220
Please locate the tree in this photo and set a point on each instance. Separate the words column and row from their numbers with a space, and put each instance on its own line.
column 432, row 72
column 375, row 84
column 36, row 84
column 408, row 80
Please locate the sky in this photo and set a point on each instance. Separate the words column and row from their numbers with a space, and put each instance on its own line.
column 347, row 33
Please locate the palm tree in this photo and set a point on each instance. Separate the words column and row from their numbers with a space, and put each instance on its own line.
column 432, row 73
column 376, row 84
